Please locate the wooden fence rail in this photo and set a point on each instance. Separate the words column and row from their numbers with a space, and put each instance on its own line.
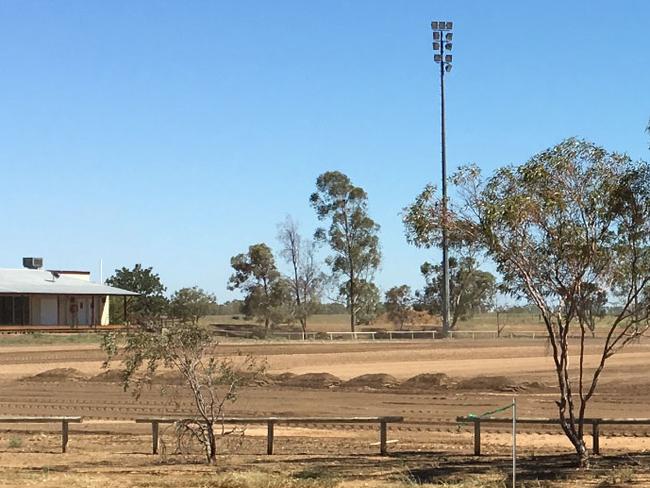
column 46, row 420
column 271, row 422
column 594, row 422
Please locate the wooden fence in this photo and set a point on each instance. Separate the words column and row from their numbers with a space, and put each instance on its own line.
column 594, row 422
column 46, row 420
column 271, row 422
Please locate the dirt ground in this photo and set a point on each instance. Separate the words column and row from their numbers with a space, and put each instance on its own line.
column 464, row 377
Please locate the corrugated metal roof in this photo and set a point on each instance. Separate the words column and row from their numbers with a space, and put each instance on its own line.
column 40, row 281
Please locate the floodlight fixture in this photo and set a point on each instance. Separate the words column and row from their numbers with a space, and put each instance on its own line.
column 436, row 35
column 442, row 25
column 449, row 36
column 447, row 68
column 448, row 58
column 448, row 46
column 437, row 58
column 436, row 46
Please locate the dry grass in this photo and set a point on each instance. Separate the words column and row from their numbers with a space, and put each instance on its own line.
column 513, row 322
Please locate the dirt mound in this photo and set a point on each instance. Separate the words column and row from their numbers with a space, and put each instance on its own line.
column 109, row 376
column 427, row 381
column 313, row 380
column 57, row 375
column 533, row 386
column 372, row 381
column 485, row 383
column 280, row 378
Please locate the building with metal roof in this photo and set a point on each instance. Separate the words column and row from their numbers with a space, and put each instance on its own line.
column 39, row 297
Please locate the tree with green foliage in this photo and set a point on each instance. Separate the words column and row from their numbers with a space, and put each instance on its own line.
column 471, row 290
column 151, row 302
column 266, row 292
column 190, row 351
column 229, row 307
column 368, row 303
column 571, row 222
column 190, row 304
column 352, row 236
column 399, row 305
column 306, row 280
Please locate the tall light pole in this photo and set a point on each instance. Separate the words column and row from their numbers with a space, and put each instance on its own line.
column 442, row 37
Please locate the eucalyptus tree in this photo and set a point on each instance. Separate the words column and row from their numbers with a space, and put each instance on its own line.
column 256, row 274
column 569, row 223
column 352, row 236
column 399, row 305
column 471, row 290
column 305, row 279
column 191, row 304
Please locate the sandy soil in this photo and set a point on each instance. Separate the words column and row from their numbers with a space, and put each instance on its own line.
column 429, row 425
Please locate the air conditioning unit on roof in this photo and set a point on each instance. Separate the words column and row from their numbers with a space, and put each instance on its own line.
column 33, row 263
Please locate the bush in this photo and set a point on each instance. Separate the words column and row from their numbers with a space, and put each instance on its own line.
column 15, row 442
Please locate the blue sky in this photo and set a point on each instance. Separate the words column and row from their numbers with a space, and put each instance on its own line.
column 175, row 134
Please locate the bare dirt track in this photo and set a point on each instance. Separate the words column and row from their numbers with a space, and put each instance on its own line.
column 429, row 409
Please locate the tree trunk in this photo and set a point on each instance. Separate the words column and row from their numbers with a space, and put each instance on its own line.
column 212, row 445
column 583, row 455
column 353, row 302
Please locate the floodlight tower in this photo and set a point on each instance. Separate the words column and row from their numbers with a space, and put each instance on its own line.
column 442, row 37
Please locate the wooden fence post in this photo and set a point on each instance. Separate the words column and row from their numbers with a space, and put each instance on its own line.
column 269, row 437
column 154, row 437
column 477, row 437
column 64, row 436
column 595, row 433
column 382, row 438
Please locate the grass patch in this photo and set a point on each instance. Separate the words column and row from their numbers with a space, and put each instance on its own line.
column 39, row 338
column 15, row 442
column 622, row 476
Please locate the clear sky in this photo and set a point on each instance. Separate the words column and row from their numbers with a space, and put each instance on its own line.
column 176, row 134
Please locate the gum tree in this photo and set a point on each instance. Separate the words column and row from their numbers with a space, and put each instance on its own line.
column 191, row 304
column 352, row 235
column 256, row 274
column 305, row 279
column 399, row 305
column 471, row 289
column 561, row 228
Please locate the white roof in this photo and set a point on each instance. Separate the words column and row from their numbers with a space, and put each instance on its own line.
column 40, row 281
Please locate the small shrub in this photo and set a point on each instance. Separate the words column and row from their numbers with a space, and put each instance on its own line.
column 15, row 442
